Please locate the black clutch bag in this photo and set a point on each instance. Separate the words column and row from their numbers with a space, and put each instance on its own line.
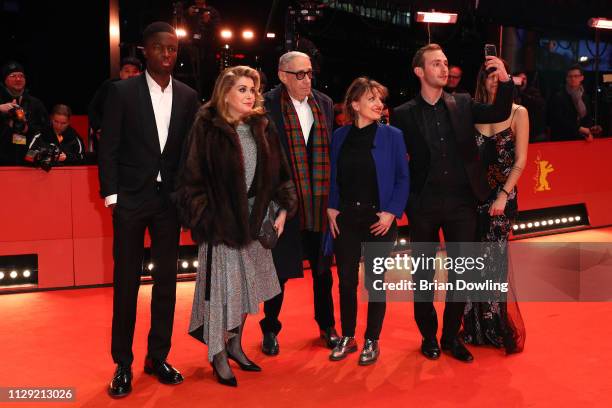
column 268, row 236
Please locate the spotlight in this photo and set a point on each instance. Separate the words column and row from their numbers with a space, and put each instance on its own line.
column 522, row 226
column 185, row 264
column 150, row 266
column 571, row 219
column 544, row 223
column 181, row 33
column 529, row 225
column 271, row 35
column 1, row 275
column 403, row 241
column 536, row 224
column 577, row 218
column 226, row 34
column 515, row 227
column 248, row 35
column 27, row 273
column 550, row 222
column 196, row 264
column 557, row 221
column 564, row 220
column 599, row 22
column 13, row 275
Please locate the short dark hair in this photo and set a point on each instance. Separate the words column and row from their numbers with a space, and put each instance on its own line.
column 61, row 109
column 356, row 90
column 575, row 67
column 131, row 61
column 418, row 60
column 156, row 27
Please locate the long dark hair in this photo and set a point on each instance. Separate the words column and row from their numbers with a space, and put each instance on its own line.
column 481, row 95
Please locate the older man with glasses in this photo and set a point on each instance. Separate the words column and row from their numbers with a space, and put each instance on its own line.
column 304, row 119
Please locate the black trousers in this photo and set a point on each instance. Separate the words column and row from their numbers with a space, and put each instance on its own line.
column 129, row 225
column 321, row 286
column 456, row 215
column 354, row 225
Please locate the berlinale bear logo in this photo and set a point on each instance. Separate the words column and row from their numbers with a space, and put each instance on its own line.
column 544, row 168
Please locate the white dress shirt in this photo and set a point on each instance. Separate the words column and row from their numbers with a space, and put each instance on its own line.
column 304, row 115
column 162, row 108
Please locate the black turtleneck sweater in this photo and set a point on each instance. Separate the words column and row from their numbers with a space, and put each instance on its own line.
column 356, row 168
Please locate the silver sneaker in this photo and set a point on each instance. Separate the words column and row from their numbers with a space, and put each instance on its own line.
column 347, row 345
column 370, row 352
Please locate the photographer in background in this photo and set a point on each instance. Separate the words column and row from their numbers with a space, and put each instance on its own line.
column 22, row 116
column 64, row 136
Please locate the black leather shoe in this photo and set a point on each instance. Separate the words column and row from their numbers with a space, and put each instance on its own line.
column 370, row 352
column 330, row 335
column 165, row 373
column 343, row 348
column 121, row 385
column 269, row 344
column 249, row 366
column 458, row 350
column 430, row 349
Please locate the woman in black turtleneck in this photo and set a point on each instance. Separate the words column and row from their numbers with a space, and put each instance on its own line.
column 369, row 190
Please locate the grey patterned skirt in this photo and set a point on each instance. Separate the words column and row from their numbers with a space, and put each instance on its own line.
column 239, row 279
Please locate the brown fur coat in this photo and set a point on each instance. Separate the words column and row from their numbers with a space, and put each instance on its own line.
column 211, row 196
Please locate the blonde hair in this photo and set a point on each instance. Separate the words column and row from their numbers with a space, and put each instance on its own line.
column 225, row 81
column 356, row 90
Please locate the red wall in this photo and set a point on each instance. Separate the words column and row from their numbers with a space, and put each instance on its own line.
column 60, row 216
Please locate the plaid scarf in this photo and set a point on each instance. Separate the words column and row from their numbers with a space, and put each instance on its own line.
column 312, row 183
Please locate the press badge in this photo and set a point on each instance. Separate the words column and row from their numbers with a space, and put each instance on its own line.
column 19, row 139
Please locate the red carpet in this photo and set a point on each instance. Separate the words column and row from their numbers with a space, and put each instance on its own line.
column 62, row 339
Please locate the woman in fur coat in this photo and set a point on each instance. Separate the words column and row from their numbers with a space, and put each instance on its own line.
column 233, row 167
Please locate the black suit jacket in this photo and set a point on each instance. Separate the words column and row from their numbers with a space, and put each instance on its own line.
column 563, row 117
column 464, row 113
column 130, row 156
column 288, row 251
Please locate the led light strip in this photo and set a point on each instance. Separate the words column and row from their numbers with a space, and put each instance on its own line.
column 562, row 222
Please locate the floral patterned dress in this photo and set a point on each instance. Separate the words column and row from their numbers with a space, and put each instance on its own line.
column 497, row 322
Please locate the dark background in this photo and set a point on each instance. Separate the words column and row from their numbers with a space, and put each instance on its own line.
column 64, row 45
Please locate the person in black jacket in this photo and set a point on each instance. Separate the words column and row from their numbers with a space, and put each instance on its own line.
column 14, row 142
column 303, row 117
column 146, row 120
column 64, row 136
column 446, row 180
column 570, row 110
column 130, row 67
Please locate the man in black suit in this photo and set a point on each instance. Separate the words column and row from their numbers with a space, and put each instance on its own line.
column 304, row 119
column 446, row 179
column 146, row 119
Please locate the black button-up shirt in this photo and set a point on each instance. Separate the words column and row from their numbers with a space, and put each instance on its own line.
column 447, row 171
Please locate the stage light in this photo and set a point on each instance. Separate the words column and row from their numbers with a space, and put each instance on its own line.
column 600, row 22
column 544, row 223
column 270, row 35
column 557, row 221
column 226, row 46
column 564, row 220
column 181, row 32
column 529, row 224
column 403, row 241
column 185, row 264
column 150, row 266
column 571, row 219
column 577, row 218
column 248, row 35
column 196, row 264
column 522, row 226
column 435, row 17
column 515, row 227
column 536, row 224
column 1, row 275
column 550, row 222
column 226, row 34
column 13, row 275
column 27, row 273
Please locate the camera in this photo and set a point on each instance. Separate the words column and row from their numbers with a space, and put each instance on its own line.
column 43, row 155
column 18, row 116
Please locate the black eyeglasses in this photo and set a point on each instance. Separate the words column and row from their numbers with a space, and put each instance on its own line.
column 300, row 74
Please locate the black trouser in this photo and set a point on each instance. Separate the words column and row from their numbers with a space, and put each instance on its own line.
column 129, row 225
column 455, row 214
column 321, row 285
column 354, row 224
